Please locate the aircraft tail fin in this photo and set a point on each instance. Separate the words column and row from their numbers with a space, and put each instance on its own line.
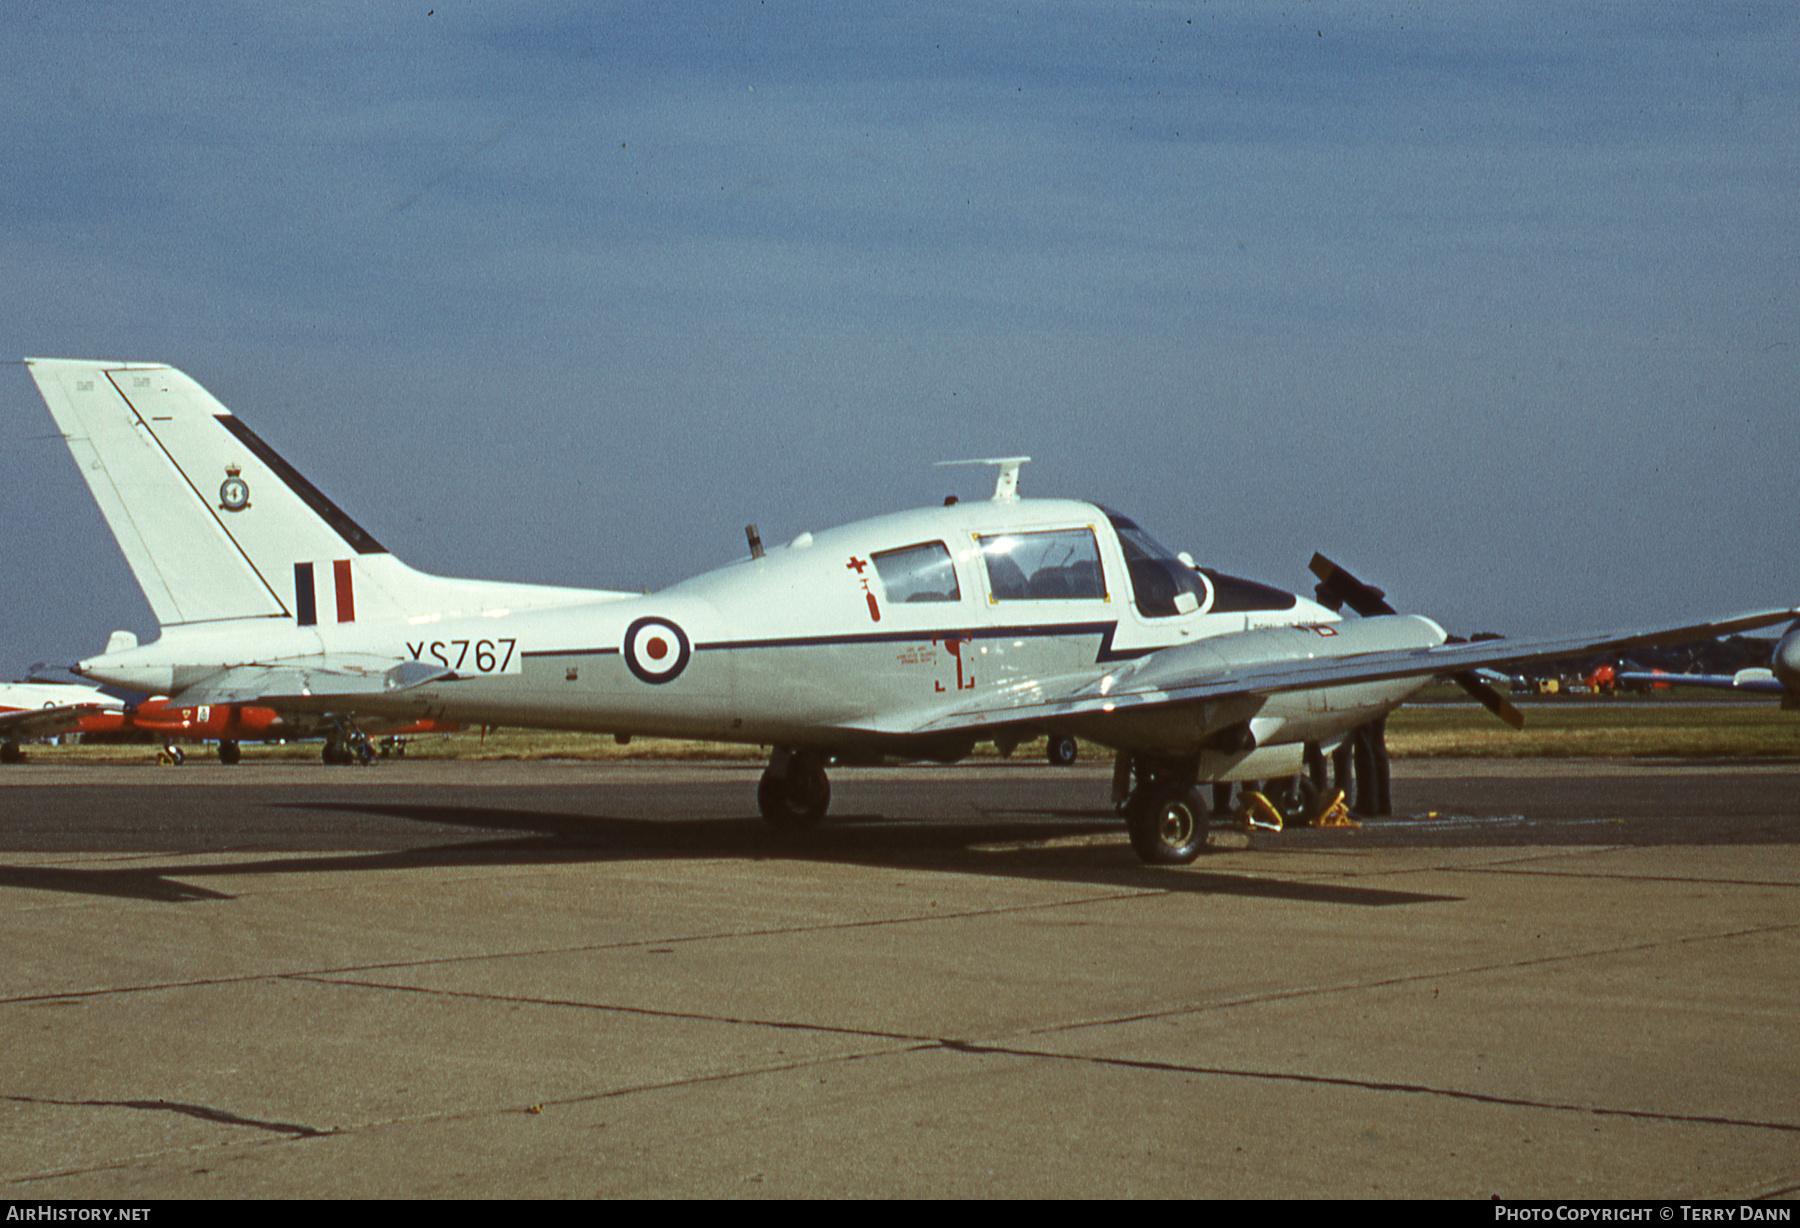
column 205, row 511
column 216, row 525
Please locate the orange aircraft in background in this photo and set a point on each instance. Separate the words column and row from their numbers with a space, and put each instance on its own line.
column 47, row 709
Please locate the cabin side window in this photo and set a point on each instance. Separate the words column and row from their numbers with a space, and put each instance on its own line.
column 918, row 573
column 1058, row 566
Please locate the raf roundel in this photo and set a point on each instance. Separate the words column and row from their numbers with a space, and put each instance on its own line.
column 656, row 650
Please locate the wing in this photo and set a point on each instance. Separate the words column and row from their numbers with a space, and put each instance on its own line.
column 45, row 722
column 1758, row 680
column 1283, row 659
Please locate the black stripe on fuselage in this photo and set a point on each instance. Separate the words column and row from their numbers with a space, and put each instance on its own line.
column 1105, row 631
column 572, row 652
column 354, row 535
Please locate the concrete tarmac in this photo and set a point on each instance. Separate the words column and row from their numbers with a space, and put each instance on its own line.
column 565, row 980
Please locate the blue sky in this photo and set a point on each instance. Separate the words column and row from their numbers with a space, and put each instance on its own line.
column 1495, row 305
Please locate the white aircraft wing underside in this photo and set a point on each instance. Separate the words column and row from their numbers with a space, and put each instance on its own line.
column 1158, row 679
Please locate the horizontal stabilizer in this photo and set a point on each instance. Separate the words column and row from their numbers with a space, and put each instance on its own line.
column 312, row 688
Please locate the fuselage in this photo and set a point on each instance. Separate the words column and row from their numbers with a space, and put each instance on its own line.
column 824, row 642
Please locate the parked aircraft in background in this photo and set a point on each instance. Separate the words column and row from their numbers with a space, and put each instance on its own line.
column 31, row 710
column 913, row 635
column 1782, row 677
column 46, row 710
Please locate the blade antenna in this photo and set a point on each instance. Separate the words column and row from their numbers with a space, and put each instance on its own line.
column 1006, row 485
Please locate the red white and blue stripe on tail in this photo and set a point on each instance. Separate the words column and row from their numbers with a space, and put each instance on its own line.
column 306, row 600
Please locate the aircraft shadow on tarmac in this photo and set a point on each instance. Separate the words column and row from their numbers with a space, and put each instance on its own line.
column 1070, row 849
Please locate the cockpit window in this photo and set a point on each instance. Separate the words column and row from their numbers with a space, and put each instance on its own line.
column 1161, row 584
column 918, row 573
column 1057, row 566
column 1232, row 595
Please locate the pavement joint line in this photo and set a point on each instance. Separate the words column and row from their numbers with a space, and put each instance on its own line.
column 1132, row 894
column 126, row 1163
column 326, row 974
column 1630, row 878
column 615, row 1008
column 1500, row 857
column 941, row 1044
column 535, row 1108
column 476, row 957
column 1415, row 978
column 1377, row 1085
column 1521, row 866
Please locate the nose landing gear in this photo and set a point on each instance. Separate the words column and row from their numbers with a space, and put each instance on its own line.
column 794, row 792
column 1165, row 811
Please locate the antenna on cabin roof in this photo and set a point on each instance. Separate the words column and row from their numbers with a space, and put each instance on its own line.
column 1006, row 486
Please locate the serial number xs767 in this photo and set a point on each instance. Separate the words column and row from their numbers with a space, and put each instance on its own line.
column 470, row 656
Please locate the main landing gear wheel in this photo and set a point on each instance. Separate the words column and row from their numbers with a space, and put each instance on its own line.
column 1168, row 825
column 229, row 753
column 1062, row 751
column 794, row 800
column 10, row 753
column 1297, row 798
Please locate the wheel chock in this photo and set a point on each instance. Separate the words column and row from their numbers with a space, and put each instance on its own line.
column 1333, row 811
column 1256, row 811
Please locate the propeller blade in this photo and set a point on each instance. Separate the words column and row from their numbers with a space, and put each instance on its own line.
column 1489, row 698
column 1338, row 588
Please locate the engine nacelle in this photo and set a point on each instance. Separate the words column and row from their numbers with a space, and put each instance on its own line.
column 1786, row 661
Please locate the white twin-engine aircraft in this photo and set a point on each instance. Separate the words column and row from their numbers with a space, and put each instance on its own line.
column 913, row 635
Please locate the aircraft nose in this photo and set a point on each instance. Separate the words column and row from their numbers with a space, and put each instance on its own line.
column 1786, row 663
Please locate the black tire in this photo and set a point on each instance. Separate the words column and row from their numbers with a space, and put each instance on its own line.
column 1062, row 750
column 1168, row 825
column 1297, row 799
column 229, row 753
column 797, row 801
column 10, row 753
